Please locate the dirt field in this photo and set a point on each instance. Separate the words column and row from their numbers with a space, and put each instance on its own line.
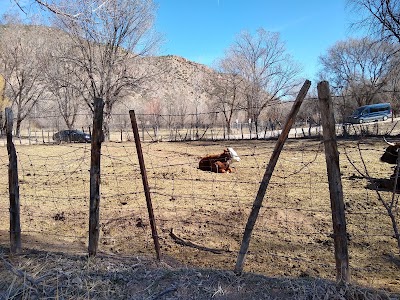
column 292, row 235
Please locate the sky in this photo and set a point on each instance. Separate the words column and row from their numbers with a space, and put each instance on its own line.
column 202, row 30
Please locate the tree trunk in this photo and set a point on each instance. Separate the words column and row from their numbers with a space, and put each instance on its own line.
column 18, row 127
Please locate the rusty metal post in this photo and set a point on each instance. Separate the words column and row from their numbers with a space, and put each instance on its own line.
column 146, row 187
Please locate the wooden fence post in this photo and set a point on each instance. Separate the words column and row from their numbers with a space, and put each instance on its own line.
column 142, row 129
column 267, row 176
column 146, row 187
column 15, row 223
column 94, row 211
column 335, row 183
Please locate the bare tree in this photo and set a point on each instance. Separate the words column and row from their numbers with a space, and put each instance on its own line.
column 358, row 69
column 153, row 111
column 227, row 91
column 52, row 6
column 65, row 94
column 182, row 110
column 382, row 17
column 62, row 79
column 392, row 94
column 110, row 39
column 11, row 18
column 22, row 63
column 4, row 102
column 176, row 109
column 269, row 72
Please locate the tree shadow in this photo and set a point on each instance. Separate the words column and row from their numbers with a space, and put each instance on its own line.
column 383, row 185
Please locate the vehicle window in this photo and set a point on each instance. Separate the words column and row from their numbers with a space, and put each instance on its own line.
column 358, row 111
column 375, row 109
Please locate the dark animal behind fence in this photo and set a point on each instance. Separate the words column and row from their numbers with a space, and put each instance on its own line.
column 391, row 153
column 219, row 163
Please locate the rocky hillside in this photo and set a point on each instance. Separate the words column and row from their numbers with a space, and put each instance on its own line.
column 179, row 86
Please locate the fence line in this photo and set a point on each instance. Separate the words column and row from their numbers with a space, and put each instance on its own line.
column 387, row 128
column 293, row 236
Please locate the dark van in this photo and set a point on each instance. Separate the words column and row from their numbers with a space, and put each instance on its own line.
column 371, row 113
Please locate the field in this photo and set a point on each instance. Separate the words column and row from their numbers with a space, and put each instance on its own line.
column 208, row 211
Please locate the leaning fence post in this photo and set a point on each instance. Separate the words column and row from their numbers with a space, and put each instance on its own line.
column 15, row 223
column 145, row 183
column 94, row 212
column 267, row 176
column 335, row 183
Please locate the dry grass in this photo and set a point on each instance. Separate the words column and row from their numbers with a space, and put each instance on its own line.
column 46, row 275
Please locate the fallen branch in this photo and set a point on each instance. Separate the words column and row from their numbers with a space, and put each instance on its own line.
column 182, row 242
column 22, row 274
column 168, row 290
column 18, row 272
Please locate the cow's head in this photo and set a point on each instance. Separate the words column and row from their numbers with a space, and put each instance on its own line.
column 391, row 153
column 234, row 155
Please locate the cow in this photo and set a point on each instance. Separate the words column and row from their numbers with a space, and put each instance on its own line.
column 391, row 153
column 219, row 163
column 390, row 156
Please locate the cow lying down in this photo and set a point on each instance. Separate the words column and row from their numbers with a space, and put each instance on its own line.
column 219, row 163
column 391, row 153
column 390, row 156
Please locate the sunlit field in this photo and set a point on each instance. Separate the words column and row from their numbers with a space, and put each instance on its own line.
column 292, row 236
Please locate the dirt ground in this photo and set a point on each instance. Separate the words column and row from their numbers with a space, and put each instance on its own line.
column 208, row 211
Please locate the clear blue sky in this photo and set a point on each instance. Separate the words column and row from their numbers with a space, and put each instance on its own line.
column 201, row 30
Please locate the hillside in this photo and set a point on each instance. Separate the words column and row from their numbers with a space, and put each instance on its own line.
column 172, row 80
column 180, row 84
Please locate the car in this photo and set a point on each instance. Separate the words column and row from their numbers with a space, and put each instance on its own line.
column 71, row 136
column 370, row 113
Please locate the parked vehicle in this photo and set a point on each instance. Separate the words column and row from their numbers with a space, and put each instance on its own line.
column 71, row 136
column 370, row 113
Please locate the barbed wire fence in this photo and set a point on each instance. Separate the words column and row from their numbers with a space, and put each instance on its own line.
column 201, row 215
column 39, row 128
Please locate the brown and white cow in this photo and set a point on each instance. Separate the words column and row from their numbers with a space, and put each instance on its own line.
column 219, row 163
column 391, row 153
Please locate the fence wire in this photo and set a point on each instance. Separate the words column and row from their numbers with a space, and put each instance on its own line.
column 201, row 215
